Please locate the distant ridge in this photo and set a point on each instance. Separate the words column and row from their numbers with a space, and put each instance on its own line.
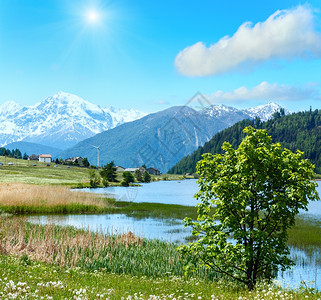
column 33, row 148
column 160, row 139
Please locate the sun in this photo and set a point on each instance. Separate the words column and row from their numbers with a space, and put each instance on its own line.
column 92, row 16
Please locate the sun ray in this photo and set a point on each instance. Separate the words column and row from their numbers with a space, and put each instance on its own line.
column 92, row 16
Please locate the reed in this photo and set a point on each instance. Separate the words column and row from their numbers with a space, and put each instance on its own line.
column 21, row 198
column 64, row 262
column 67, row 246
column 306, row 234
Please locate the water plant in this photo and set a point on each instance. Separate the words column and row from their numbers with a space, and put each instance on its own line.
column 19, row 198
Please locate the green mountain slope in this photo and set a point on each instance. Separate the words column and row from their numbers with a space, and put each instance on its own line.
column 296, row 131
column 158, row 140
column 33, row 148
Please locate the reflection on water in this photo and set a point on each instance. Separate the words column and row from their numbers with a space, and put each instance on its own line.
column 163, row 229
column 167, row 192
column 172, row 192
column 306, row 267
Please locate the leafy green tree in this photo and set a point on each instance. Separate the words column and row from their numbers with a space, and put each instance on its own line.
column 105, row 182
column 109, row 172
column 17, row 153
column 138, row 175
column 25, row 156
column 147, row 177
column 256, row 190
column 85, row 162
column 128, row 178
column 94, row 178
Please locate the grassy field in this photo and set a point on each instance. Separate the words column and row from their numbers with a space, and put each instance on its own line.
column 23, row 171
column 63, row 262
column 21, row 278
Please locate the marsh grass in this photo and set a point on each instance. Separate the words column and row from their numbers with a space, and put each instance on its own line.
column 19, row 198
column 306, row 236
column 64, row 262
column 67, row 246
column 155, row 210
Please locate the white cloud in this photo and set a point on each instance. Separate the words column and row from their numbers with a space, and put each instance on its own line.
column 267, row 91
column 285, row 34
column 162, row 102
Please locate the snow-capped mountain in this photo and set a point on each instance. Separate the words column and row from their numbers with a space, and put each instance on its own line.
column 64, row 119
column 232, row 115
column 265, row 112
column 9, row 107
column 227, row 114
column 161, row 139
column 61, row 120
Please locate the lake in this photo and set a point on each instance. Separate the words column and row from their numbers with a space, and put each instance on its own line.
column 167, row 192
column 172, row 192
column 175, row 192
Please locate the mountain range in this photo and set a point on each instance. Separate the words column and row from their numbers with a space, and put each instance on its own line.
column 59, row 121
column 295, row 131
column 129, row 137
column 161, row 139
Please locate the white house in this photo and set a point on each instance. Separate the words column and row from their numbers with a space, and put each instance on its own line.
column 119, row 169
column 46, row 158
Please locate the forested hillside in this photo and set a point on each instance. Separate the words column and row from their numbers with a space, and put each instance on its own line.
column 300, row 130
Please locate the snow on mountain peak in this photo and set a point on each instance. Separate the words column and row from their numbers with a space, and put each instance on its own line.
column 218, row 110
column 60, row 120
column 266, row 111
column 230, row 114
column 9, row 107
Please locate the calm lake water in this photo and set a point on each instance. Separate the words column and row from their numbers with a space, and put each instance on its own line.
column 176, row 192
column 172, row 192
column 167, row 192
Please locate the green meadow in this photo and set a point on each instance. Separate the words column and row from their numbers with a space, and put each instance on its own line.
column 54, row 262
column 23, row 171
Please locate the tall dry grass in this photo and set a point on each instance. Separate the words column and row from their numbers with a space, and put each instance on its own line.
column 70, row 247
column 35, row 198
column 65, row 246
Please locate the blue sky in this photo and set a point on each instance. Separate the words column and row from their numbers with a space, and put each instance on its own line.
column 150, row 55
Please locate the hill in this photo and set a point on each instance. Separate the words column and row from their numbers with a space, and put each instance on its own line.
column 158, row 140
column 300, row 131
column 33, row 148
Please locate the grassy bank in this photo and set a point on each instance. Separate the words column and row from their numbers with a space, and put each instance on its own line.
column 19, row 198
column 22, row 278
